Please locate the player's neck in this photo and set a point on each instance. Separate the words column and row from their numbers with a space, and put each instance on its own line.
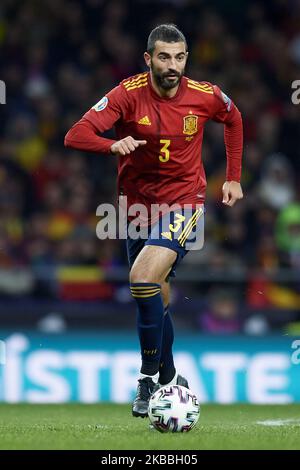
column 161, row 91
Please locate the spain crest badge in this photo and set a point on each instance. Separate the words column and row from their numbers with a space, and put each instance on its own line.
column 190, row 124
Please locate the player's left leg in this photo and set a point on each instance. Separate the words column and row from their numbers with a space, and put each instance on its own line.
column 166, row 367
column 167, row 371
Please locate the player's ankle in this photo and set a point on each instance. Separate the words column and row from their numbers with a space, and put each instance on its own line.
column 173, row 381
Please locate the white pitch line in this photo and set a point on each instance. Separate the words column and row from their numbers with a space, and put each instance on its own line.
column 278, row 422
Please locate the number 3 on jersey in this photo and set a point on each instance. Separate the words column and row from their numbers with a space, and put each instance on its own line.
column 164, row 150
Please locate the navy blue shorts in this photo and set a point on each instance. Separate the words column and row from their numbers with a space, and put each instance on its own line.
column 181, row 230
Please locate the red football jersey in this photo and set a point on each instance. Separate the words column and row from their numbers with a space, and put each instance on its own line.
column 168, row 169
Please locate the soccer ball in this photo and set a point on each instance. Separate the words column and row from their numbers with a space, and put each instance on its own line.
column 173, row 408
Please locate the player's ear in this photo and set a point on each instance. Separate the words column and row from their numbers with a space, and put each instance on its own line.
column 147, row 58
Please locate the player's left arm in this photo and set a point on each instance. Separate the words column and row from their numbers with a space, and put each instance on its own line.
column 225, row 111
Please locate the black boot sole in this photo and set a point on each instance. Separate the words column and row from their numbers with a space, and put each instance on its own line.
column 136, row 414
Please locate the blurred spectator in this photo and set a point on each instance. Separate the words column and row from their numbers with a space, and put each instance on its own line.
column 222, row 315
column 288, row 235
column 276, row 188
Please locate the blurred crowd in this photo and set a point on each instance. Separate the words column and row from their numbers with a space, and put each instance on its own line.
column 58, row 58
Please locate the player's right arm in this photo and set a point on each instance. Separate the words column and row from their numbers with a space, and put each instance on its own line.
column 126, row 145
column 86, row 133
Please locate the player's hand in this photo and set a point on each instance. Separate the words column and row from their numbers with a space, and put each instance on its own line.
column 232, row 191
column 126, row 145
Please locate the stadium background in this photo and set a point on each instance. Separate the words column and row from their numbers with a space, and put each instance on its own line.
column 67, row 319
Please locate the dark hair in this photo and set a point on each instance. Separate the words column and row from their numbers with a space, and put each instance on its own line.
column 166, row 33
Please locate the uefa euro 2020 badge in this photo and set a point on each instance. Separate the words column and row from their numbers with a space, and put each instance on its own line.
column 101, row 104
column 226, row 100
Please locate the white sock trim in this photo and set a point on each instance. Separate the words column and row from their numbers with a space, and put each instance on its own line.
column 153, row 377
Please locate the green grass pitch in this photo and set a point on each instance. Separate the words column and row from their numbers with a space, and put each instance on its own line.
column 109, row 426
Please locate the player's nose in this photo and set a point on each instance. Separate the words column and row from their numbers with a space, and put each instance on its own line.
column 172, row 65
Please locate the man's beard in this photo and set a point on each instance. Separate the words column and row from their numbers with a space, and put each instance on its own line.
column 163, row 81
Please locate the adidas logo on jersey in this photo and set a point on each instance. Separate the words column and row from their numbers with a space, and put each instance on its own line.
column 145, row 121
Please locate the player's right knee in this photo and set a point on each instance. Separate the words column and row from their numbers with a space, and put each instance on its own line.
column 138, row 277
